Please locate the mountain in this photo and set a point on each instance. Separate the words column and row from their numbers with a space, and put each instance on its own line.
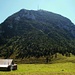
column 35, row 33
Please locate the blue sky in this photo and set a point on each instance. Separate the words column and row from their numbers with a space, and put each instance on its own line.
column 63, row 7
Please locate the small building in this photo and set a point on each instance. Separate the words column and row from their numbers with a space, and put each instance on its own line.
column 7, row 65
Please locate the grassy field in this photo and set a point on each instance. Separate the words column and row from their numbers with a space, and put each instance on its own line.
column 60, row 66
column 43, row 69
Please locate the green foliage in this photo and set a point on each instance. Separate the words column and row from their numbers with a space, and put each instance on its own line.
column 43, row 36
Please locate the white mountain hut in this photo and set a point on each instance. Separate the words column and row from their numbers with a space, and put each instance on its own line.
column 7, row 65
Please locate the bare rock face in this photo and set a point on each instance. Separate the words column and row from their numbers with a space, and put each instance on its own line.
column 26, row 14
column 23, row 13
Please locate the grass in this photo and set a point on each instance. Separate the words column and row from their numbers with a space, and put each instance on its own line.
column 61, row 66
column 65, row 67
column 63, row 59
column 43, row 69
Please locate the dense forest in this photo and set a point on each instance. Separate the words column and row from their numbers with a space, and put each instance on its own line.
column 30, row 33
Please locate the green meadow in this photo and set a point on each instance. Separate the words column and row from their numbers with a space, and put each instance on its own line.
column 43, row 69
column 61, row 66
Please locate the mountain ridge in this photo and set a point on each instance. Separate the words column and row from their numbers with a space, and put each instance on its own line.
column 38, row 33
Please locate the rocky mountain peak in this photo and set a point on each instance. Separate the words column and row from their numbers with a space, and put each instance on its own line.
column 23, row 13
column 23, row 10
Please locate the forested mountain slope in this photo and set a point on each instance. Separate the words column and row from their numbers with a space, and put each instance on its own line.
column 30, row 33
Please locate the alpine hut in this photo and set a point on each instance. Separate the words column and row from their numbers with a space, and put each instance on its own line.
column 7, row 65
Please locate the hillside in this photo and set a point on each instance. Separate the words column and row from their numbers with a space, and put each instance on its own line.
column 30, row 33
